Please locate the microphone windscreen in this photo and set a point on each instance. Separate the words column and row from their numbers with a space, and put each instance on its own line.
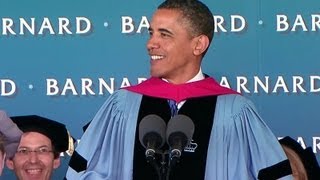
column 152, row 127
column 180, row 126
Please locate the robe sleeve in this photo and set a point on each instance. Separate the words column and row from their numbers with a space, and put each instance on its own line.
column 242, row 145
column 105, row 150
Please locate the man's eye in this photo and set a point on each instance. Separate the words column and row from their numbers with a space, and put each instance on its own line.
column 43, row 150
column 22, row 151
column 164, row 35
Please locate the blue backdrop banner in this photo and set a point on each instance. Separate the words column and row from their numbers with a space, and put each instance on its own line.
column 62, row 59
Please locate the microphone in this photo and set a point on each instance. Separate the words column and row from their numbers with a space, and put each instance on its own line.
column 152, row 134
column 180, row 130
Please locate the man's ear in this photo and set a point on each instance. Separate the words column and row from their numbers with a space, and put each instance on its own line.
column 9, row 164
column 56, row 163
column 201, row 44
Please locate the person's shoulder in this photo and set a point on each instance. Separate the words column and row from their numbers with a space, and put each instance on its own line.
column 235, row 99
column 122, row 93
column 122, row 97
column 235, row 103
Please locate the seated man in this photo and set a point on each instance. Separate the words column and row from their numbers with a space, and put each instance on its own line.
column 10, row 136
column 38, row 153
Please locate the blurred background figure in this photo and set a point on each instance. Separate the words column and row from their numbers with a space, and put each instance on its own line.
column 303, row 162
column 10, row 136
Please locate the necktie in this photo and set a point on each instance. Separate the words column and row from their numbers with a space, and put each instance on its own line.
column 173, row 107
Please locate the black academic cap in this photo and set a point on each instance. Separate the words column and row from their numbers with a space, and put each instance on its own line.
column 55, row 131
column 306, row 156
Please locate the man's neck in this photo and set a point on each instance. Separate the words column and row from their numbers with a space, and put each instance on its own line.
column 199, row 76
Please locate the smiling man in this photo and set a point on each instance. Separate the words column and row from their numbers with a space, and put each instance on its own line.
column 41, row 143
column 229, row 139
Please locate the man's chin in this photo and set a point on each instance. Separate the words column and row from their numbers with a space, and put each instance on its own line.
column 32, row 176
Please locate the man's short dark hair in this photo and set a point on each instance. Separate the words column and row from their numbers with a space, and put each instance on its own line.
column 197, row 15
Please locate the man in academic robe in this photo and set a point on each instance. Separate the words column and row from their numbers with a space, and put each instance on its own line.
column 230, row 140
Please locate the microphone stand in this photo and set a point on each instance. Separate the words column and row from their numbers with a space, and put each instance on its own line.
column 164, row 167
column 161, row 169
column 150, row 157
column 174, row 158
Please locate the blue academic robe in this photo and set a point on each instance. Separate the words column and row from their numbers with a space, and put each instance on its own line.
column 240, row 145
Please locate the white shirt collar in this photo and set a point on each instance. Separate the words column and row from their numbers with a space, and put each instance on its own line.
column 197, row 77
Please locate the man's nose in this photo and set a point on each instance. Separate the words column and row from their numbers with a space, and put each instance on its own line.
column 153, row 43
column 33, row 156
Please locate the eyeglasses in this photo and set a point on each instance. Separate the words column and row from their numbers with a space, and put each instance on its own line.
column 40, row 151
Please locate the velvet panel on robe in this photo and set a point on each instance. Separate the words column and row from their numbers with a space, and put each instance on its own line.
column 192, row 163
